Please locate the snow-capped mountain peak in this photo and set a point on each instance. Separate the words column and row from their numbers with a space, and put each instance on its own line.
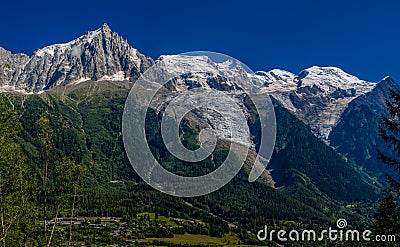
column 326, row 79
column 330, row 79
column 97, row 55
column 316, row 95
column 200, row 71
column 73, row 46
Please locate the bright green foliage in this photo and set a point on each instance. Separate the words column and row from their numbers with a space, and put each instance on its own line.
column 69, row 176
column 17, row 209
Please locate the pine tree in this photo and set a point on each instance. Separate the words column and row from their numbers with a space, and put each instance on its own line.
column 387, row 218
column 390, row 132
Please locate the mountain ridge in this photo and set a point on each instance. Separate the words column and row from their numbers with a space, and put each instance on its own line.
column 96, row 55
column 357, row 129
column 81, row 45
column 318, row 96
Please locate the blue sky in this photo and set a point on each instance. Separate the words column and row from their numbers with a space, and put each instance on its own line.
column 361, row 37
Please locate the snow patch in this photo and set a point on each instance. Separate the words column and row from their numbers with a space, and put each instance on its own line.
column 10, row 89
column 181, row 64
column 119, row 76
column 80, row 80
column 73, row 46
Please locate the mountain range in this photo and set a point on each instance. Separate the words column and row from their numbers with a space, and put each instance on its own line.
column 324, row 98
column 327, row 134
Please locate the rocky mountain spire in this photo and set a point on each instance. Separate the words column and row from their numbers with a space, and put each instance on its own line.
column 98, row 55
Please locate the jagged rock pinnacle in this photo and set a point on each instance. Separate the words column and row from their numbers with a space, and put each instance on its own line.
column 105, row 27
column 97, row 55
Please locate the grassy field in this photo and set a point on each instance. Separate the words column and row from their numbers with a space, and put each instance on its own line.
column 167, row 220
column 228, row 239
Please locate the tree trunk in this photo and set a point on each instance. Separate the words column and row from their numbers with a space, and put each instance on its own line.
column 54, row 226
column 72, row 215
column 44, row 191
column 3, row 227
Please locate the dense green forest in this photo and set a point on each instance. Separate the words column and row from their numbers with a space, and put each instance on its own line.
column 68, row 160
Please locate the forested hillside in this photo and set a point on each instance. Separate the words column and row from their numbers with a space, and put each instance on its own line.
column 75, row 134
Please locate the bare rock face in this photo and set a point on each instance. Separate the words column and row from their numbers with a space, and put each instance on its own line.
column 97, row 55
column 10, row 66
